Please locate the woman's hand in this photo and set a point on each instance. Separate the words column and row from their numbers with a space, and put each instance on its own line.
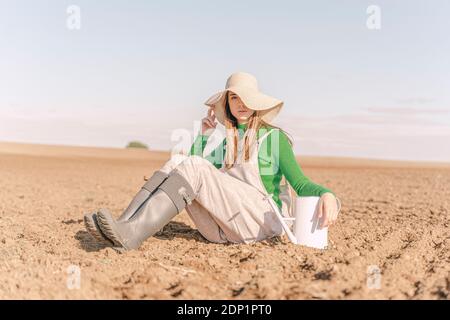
column 328, row 210
column 209, row 122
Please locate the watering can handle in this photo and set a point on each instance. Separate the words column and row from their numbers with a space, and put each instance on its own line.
column 282, row 219
column 339, row 205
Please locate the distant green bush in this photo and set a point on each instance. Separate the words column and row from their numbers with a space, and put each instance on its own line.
column 137, row 144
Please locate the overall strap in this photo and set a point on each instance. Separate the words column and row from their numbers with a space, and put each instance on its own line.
column 265, row 135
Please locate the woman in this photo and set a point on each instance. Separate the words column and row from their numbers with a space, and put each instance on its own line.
column 226, row 193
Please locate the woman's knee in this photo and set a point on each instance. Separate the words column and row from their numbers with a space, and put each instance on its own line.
column 197, row 161
column 195, row 166
column 179, row 158
column 174, row 161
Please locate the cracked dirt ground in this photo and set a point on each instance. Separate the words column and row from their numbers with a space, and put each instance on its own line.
column 395, row 216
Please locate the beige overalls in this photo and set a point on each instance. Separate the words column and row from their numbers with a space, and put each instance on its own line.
column 231, row 204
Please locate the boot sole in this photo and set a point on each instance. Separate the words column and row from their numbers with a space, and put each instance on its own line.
column 107, row 226
column 91, row 224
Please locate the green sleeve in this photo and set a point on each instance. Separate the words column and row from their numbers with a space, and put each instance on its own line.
column 290, row 168
column 199, row 145
column 215, row 157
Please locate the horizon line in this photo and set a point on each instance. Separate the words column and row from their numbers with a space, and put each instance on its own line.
column 429, row 162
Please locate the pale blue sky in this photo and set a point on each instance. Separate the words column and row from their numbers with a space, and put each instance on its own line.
column 142, row 69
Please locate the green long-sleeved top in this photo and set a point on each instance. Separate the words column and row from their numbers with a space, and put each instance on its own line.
column 272, row 165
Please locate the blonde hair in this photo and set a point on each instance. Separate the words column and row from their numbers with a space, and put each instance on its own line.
column 254, row 124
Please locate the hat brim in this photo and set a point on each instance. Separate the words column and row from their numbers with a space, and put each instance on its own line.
column 268, row 106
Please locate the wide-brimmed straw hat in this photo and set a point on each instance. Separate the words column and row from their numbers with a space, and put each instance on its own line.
column 245, row 86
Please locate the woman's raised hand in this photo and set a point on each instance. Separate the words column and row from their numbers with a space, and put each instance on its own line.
column 209, row 122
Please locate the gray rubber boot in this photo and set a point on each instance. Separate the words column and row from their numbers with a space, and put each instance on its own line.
column 91, row 220
column 91, row 224
column 165, row 203
column 146, row 191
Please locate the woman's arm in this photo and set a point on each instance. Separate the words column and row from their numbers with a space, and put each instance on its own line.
column 215, row 157
column 290, row 168
column 328, row 208
column 199, row 145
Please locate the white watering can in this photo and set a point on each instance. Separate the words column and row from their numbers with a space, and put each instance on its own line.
column 306, row 223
